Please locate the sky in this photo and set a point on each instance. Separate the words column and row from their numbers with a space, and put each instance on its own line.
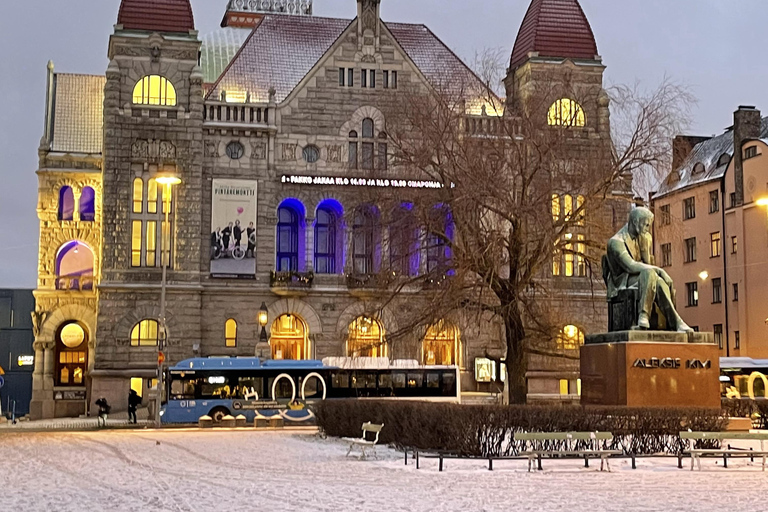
column 714, row 47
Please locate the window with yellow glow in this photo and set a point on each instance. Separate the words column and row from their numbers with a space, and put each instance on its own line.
column 152, row 196
column 154, row 90
column 557, row 262
column 555, row 207
column 72, row 355
column 566, row 112
column 569, row 257
column 138, row 195
column 144, row 334
column 366, row 338
column 564, row 387
column 151, row 243
column 230, row 333
column 581, row 215
column 570, row 338
column 441, row 345
column 136, row 243
column 581, row 263
column 568, row 201
column 289, row 338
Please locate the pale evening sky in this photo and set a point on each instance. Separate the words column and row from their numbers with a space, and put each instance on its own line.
column 713, row 46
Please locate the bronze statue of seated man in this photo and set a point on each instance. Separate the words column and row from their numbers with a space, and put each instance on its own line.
column 628, row 264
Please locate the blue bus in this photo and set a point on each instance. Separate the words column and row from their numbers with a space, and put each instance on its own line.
column 218, row 387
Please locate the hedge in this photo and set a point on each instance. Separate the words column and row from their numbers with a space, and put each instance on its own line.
column 485, row 431
column 757, row 410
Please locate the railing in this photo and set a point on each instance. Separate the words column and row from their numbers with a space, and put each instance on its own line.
column 436, row 282
column 246, row 114
column 366, row 281
column 78, row 283
column 291, row 280
column 491, row 126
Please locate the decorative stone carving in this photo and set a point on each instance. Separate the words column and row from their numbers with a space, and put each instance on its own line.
column 334, row 154
column 259, row 150
column 211, row 149
column 38, row 319
column 140, row 149
column 153, row 150
column 295, row 7
column 167, row 150
column 289, row 151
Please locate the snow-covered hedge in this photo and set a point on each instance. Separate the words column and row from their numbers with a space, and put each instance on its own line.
column 488, row 430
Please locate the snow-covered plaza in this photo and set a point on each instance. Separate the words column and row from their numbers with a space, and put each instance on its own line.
column 271, row 471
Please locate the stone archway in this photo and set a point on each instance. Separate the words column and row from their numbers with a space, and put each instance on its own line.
column 383, row 315
column 307, row 314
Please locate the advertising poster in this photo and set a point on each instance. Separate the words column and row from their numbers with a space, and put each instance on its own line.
column 233, row 229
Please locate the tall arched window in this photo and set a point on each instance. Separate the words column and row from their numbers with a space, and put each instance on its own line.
column 154, row 90
column 403, row 245
column 230, row 333
column 138, row 195
column 88, row 205
column 289, row 338
column 570, row 338
column 71, row 355
column 366, row 338
column 287, row 239
column 74, row 267
column 441, row 345
column 66, row 203
column 144, row 333
column 364, row 240
column 567, row 113
column 362, row 153
column 326, row 227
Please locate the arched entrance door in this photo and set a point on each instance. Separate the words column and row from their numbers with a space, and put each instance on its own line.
column 366, row 338
column 289, row 338
column 442, row 345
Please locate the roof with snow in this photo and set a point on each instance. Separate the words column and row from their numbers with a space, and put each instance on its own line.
column 156, row 15
column 283, row 49
column 711, row 155
column 554, row 28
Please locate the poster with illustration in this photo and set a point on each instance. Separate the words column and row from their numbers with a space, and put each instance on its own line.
column 233, row 229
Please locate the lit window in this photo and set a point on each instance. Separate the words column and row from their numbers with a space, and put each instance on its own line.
column 151, row 243
column 564, row 387
column 154, row 90
column 555, row 207
column 289, row 338
column 715, row 245
column 136, row 240
column 144, row 334
column 566, row 112
column 74, row 267
column 581, row 263
column 568, row 210
column 231, row 333
column 152, row 196
column 570, row 338
column 582, row 215
column 569, row 257
column 692, row 294
column 441, row 345
column 366, row 338
column 138, row 195
column 66, row 203
column 557, row 262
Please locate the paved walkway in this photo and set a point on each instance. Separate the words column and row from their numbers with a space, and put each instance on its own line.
column 118, row 420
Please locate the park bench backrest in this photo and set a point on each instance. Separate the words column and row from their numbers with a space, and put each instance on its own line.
column 373, row 428
column 719, row 436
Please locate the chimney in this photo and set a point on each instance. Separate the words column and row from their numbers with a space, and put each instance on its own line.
column 746, row 126
column 682, row 146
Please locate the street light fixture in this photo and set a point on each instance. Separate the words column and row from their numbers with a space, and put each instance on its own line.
column 168, row 181
column 263, row 319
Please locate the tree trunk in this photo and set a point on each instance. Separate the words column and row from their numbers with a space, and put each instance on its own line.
column 517, row 363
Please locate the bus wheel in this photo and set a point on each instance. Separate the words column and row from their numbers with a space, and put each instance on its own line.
column 218, row 414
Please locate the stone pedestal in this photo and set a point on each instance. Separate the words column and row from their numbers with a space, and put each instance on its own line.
column 650, row 369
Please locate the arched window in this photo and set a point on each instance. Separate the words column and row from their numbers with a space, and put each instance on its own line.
column 570, row 338
column 364, row 240
column 289, row 338
column 326, row 239
column 154, row 90
column 287, row 239
column 368, row 128
column 138, row 195
column 363, row 153
column 725, row 159
column 152, row 196
column 698, row 168
column 144, row 333
column 66, row 203
column 74, row 267
column 88, row 205
column 71, row 355
column 567, row 113
column 366, row 338
column 441, row 345
column 403, row 245
column 230, row 333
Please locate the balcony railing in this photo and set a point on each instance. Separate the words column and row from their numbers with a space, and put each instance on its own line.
column 367, row 281
column 75, row 283
column 237, row 114
column 291, row 280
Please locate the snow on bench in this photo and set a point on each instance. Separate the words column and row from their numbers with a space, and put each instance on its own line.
column 592, row 439
column 697, row 454
column 363, row 442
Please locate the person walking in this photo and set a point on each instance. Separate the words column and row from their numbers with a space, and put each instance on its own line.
column 134, row 400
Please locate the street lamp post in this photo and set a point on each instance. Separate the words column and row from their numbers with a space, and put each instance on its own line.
column 263, row 318
column 168, row 181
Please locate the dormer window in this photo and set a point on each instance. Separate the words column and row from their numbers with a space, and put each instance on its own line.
column 725, row 158
column 154, row 90
column 698, row 168
column 567, row 113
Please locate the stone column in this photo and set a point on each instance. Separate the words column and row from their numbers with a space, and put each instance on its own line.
column 309, row 250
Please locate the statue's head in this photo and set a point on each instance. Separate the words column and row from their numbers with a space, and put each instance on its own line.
column 640, row 221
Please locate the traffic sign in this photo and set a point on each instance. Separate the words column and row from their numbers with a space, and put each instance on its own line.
column 2, row 382
column 160, row 358
column 2, row 372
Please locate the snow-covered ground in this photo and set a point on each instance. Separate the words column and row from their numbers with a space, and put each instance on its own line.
column 271, row 471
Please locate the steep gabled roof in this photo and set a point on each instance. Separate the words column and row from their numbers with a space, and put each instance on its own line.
column 78, row 107
column 554, row 28
column 156, row 15
column 283, row 49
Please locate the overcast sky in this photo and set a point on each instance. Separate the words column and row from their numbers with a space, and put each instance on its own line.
column 714, row 46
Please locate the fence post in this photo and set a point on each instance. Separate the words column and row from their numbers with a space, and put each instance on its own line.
column 586, row 461
column 679, row 462
column 725, row 460
column 417, row 459
column 441, row 461
column 538, row 457
column 490, row 463
column 406, row 456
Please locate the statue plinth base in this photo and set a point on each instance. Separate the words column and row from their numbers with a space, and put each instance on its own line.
column 650, row 369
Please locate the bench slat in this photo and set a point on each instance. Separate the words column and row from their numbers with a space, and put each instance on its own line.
column 719, row 436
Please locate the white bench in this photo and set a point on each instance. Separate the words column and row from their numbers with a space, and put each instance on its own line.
column 363, row 442
column 532, row 442
column 725, row 453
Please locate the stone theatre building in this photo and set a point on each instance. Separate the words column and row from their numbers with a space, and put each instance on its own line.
column 270, row 123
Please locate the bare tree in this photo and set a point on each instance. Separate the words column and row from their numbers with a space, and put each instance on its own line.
column 528, row 192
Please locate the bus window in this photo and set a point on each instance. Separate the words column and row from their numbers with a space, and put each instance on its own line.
column 415, row 380
column 249, row 385
column 182, row 389
column 398, row 379
column 433, row 380
column 370, row 381
column 312, row 388
column 341, row 380
column 214, row 386
column 385, row 381
column 449, row 384
column 283, row 390
column 357, row 381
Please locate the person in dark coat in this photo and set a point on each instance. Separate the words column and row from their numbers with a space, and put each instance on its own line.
column 251, row 232
column 226, row 234
column 134, row 400
column 104, row 409
column 238, row 233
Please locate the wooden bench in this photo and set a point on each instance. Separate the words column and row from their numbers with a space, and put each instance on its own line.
column 725, row 453
column 534, row 442
column 363, row 442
